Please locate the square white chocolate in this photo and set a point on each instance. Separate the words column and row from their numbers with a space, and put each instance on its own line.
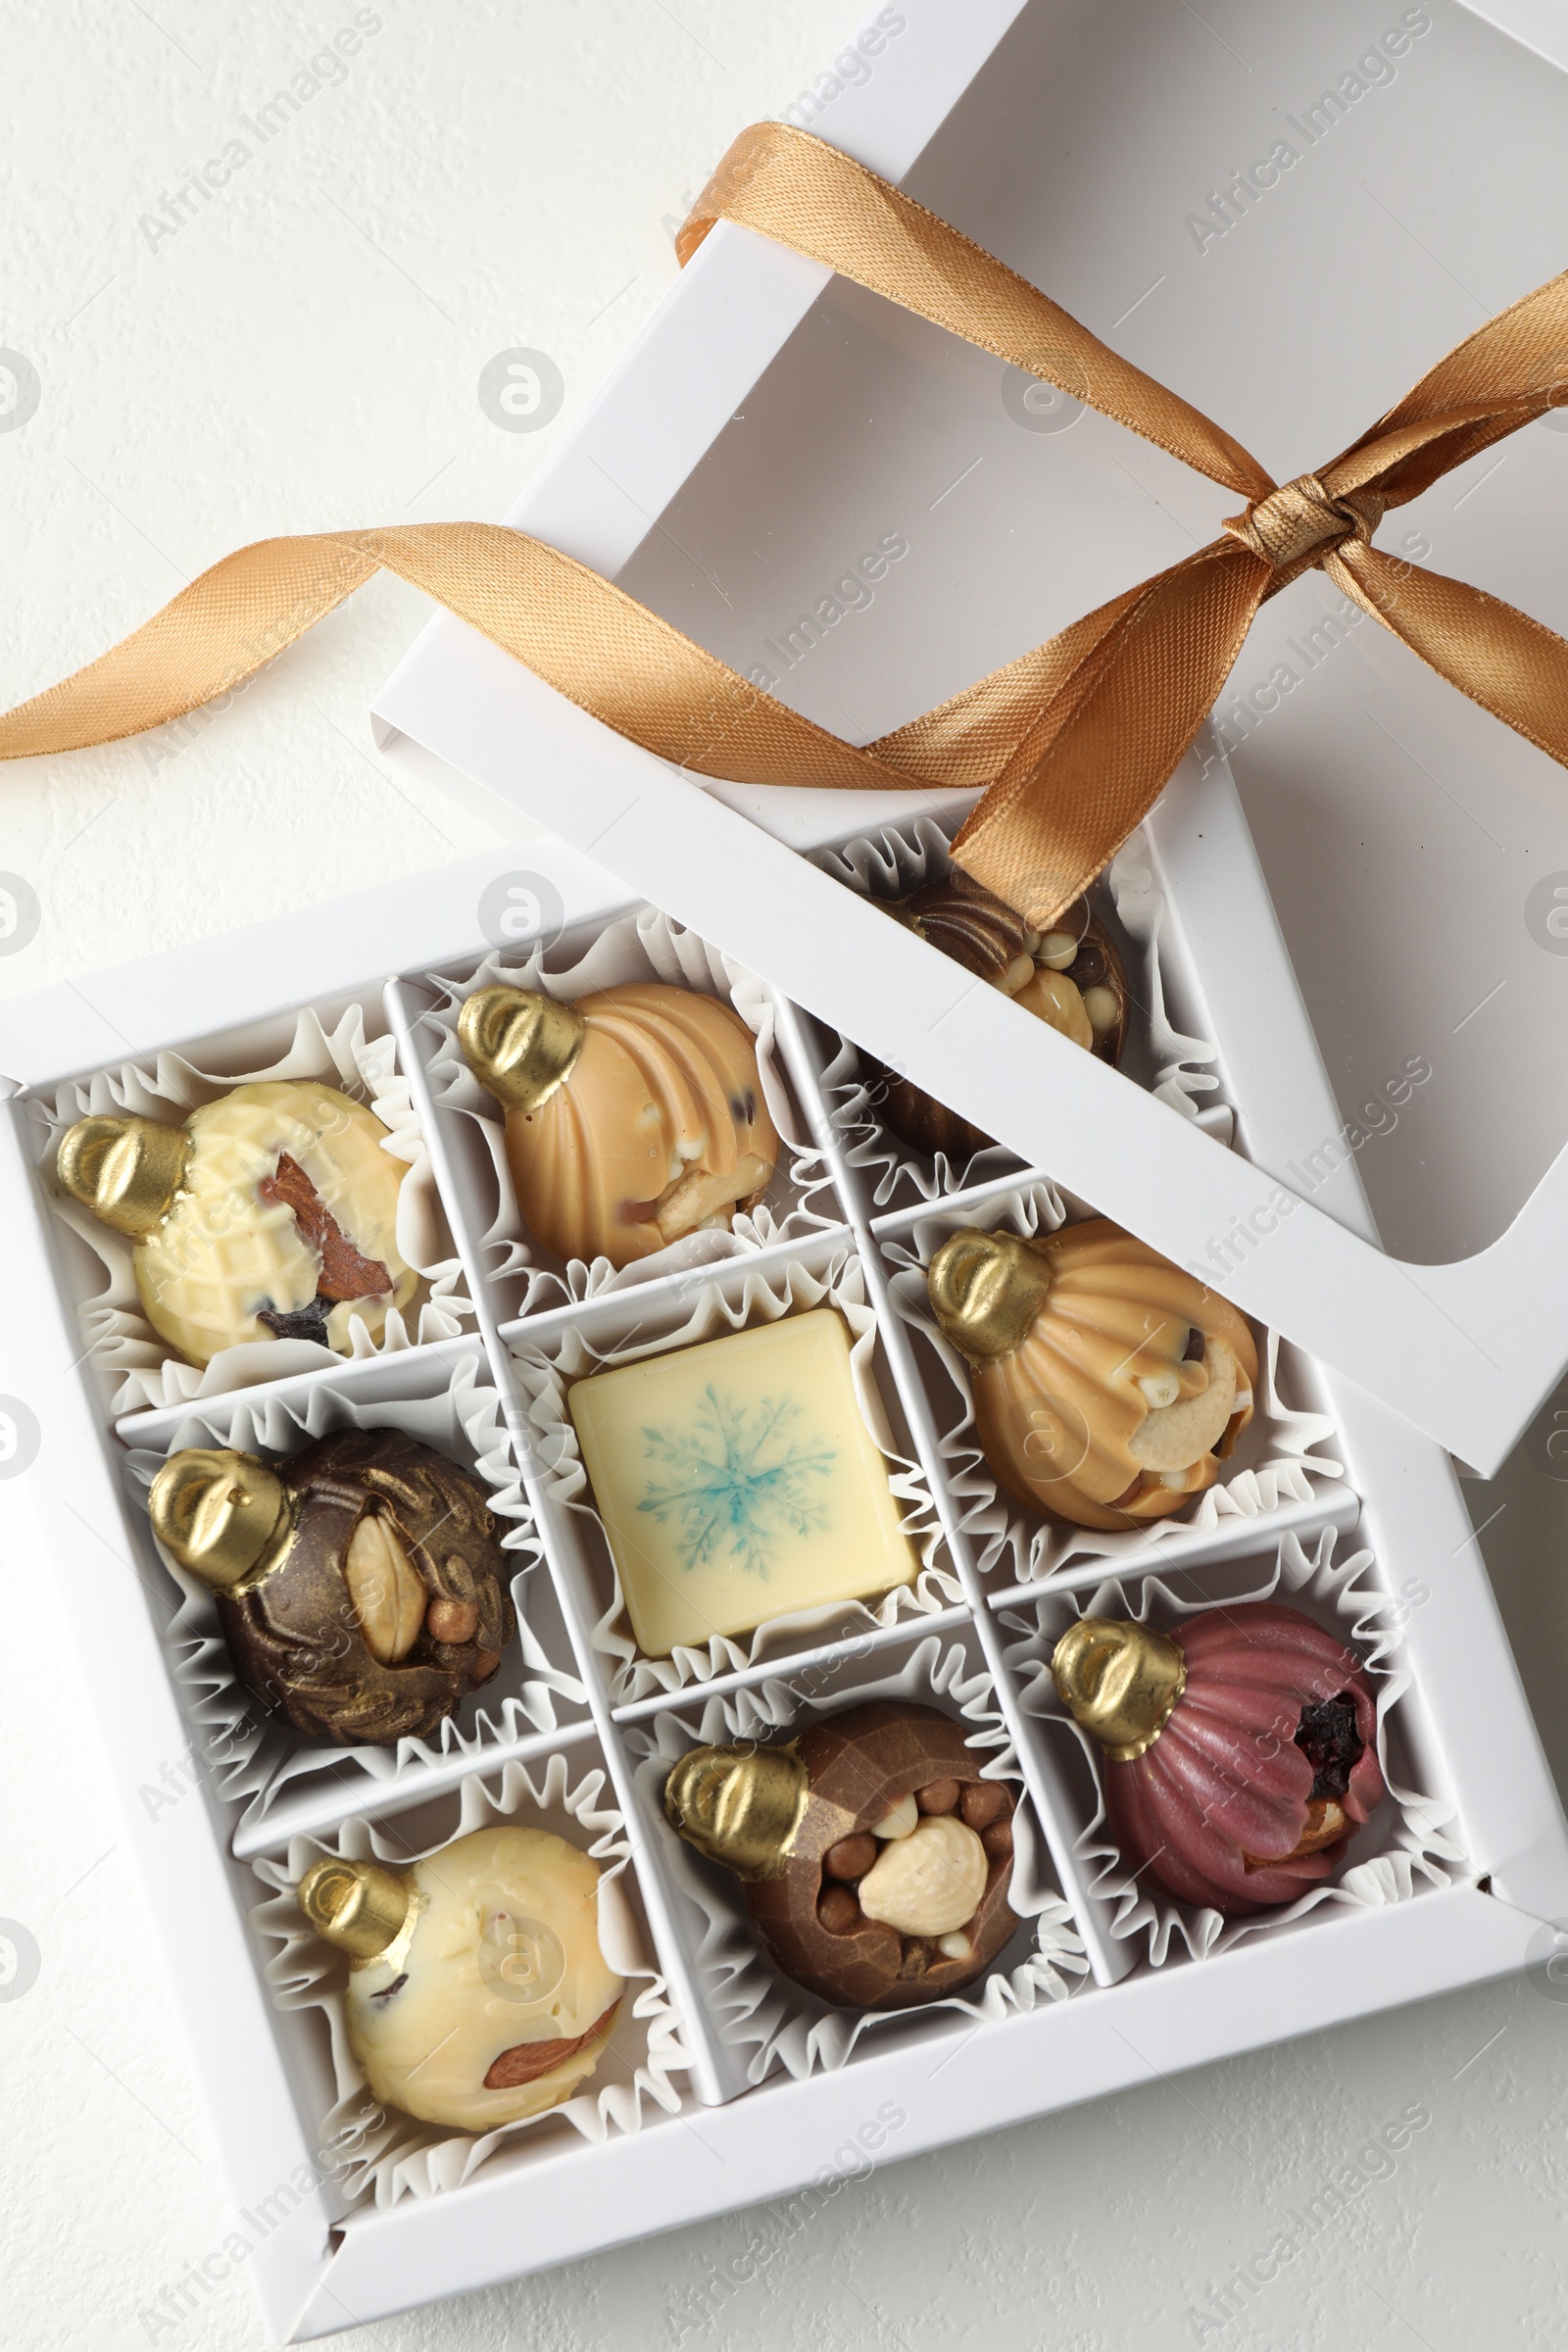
column 738, row 1481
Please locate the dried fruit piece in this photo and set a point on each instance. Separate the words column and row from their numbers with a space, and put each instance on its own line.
column 345, row 1273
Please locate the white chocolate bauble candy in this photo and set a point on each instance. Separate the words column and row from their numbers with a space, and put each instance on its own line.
column 494, row 1965
column 225, row 1237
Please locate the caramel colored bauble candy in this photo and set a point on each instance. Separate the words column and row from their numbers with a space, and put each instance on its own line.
column 862, row 1894
column 1110, row 1387
column 271, row 1214
column 633, row 1117
column 478, row 1993
column 359, row 1584
column 1070, row 977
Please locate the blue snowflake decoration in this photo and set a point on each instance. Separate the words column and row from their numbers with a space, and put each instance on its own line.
column 738, row 1482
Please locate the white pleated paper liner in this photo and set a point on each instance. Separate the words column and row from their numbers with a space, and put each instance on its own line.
column 1408, row 1844
column 1274, row 1462
column 377, row 2148
column 543, row 1376
column 249, row 1754
column 889, row 865
column 118, row 1337
column 638, row 946
column 750, row 2004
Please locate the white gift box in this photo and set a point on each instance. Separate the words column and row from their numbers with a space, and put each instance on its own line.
column 865, row 515
column 1455, row 1884
column 1452, row 1889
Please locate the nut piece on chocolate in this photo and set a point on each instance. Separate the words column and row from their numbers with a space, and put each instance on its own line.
column 875, row 1860
column 1070, row 977
column 359, row 1584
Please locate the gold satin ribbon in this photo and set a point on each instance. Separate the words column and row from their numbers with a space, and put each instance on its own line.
column 1074, row 740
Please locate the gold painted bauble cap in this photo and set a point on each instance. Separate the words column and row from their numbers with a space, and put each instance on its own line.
column 986, row 1289
column 739, row 1805
column 521, row 1044
column 127, row 1171
column 1121, row 1681
column 223, row 1515
column 358, row 1906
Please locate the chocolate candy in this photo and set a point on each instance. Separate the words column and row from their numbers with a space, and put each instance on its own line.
column 1108, row 1385
column 738, row 1481
column 359, row 1584
column 875, row 1860
column 272, row 1213
column 1070, row 977
column 633, row 1117
column 1240, row 1749
column 478, row 1993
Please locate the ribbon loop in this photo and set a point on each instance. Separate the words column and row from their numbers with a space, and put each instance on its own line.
column 1299, row 525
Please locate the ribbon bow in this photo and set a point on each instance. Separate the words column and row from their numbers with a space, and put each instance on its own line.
column 1075, row 740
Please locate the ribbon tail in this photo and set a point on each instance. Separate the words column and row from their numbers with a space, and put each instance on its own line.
column 1510, row 664
column 578, row 632
column 1099, row 756
column 226, row 625
column 621, row 662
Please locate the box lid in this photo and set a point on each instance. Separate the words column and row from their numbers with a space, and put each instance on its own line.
column 1346, row 815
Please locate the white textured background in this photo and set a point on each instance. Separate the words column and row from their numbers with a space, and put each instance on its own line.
column 305, row 353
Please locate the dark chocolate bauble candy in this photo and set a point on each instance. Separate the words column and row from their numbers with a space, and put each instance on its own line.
column 1071, row 977
column 361, row 1584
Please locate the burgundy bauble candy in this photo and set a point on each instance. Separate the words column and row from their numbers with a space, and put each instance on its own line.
column 1239, row 1750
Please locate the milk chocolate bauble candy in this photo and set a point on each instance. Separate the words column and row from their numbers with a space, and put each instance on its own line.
column 477, row 1993
column 1239, row 1749
column 1070, row 977
column 1108, row 1385
column 874, row 1858
column 359, row 1584
column 633, row 1117
column 271, row 1214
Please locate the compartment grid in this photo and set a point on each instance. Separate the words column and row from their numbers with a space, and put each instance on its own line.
column 717, row 2073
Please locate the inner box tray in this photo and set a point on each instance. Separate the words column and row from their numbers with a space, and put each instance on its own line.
column 1334, row 1503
